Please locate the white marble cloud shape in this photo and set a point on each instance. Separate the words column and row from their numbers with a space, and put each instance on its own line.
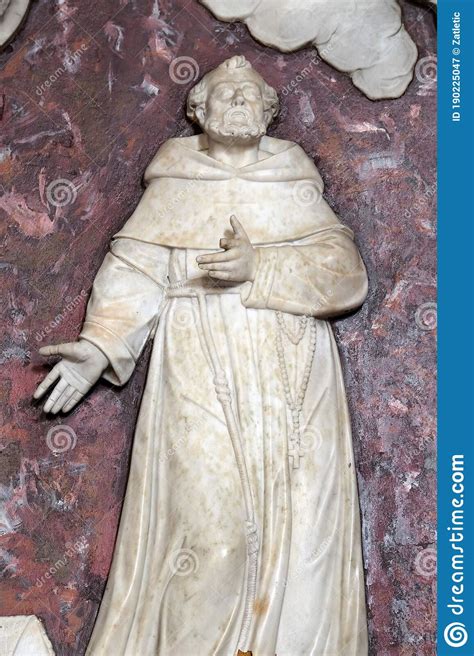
column 365, row 38
column 23, row 635
column 12, row 13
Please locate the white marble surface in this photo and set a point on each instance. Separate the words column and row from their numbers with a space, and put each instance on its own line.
column 240, row 527
column 12, row 13
column 23, row 635
column 3, row 6
column 365, row 38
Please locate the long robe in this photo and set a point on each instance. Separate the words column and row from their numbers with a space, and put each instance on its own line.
column 227, row 540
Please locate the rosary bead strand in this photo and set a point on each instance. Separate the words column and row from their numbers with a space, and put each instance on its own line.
column 295, row 404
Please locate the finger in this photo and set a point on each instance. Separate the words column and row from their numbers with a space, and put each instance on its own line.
column 63, row 398
column 55, row 394
column 59, row 349
column 47, row 382
column 68, row 400
column 221, row 275
column 228, row 243
column 225, row 256
column 75, row 398
column 218, row 266
column 207, row 258
column 222, row 256
column 237, row 227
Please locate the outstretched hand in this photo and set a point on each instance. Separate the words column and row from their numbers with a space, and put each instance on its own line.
column 237, row 262
column 81, row 366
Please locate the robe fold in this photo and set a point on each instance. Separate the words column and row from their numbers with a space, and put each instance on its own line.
column 179, row 581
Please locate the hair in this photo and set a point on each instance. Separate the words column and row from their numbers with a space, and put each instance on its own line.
column 198, row 95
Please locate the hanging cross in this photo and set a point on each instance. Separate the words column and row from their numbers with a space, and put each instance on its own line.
column 294, row 451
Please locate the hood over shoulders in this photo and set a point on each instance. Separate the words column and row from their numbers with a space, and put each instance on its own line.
column 190, row 196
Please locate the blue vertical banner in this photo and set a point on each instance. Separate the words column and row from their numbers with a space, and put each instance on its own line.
column 456, row 327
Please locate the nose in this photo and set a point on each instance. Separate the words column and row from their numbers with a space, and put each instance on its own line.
column 238, row 98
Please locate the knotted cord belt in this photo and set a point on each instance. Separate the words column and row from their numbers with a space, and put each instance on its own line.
column 197, row 288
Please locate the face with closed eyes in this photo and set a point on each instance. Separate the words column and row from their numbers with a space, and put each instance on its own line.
column 234, row 108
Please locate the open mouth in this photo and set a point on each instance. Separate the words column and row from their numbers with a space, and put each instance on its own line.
column 237, row 115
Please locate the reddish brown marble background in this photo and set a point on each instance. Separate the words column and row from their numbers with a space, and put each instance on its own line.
column 98, row 125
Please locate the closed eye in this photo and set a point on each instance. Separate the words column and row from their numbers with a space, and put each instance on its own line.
column 224, row 92
column 251, row 92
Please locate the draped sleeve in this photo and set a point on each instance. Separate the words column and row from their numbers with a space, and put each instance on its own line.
column 322, row 275
column 126, row 300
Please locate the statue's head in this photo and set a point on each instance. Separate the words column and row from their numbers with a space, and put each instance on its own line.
column 233, row 102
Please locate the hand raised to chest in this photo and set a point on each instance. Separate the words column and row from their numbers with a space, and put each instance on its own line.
column 237, row 262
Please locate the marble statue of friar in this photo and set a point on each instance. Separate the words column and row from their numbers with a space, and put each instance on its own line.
column 240, row 528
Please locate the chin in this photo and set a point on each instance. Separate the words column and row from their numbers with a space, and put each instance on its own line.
column 228, row 132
